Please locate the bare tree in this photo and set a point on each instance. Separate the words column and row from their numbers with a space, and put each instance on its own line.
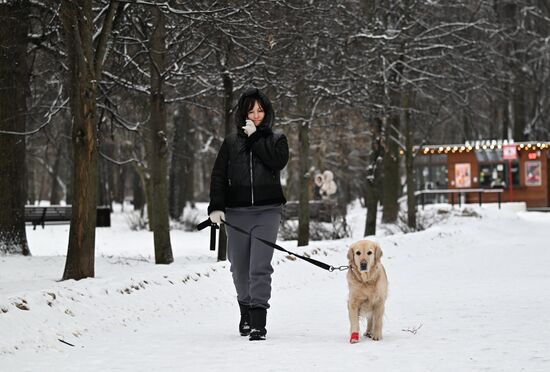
column 159, row 53
column 158, row 141
column 182, row 163
column 14, row 92
column 85, row 63
column 373, row 177
column 355, row 84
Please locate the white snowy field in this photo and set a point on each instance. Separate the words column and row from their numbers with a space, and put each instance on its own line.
column 467, row 294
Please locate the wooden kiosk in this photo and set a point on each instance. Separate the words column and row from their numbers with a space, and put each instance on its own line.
column 483, row 165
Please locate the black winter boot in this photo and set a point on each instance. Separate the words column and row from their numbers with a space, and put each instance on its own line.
column 257, row 323
column 244, row 323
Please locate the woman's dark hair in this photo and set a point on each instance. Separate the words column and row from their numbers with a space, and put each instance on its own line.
column 246, row 103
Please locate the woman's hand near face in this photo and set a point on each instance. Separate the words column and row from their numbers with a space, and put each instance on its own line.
column 249, row 127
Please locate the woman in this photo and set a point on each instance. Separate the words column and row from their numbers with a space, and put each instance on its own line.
column 245, row 190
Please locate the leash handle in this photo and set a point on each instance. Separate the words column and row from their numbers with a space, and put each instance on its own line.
column 212, row 238
column 213, row 226
column 204, row 224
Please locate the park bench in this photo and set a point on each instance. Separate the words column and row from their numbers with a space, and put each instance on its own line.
column 319, row 210
column 51, row 214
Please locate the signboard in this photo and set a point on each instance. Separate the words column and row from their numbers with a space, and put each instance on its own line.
column 509, row 152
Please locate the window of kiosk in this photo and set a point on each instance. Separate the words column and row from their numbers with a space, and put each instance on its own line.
column 493, row 170
column 495, row 175
column 431, row 172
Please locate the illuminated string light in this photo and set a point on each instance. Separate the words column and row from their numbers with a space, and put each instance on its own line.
column 487, row 145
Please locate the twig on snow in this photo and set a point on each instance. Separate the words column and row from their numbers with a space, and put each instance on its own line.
column 413, row 330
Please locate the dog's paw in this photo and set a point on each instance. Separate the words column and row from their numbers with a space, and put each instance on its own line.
column 354, row 338
column 376, row 337
column 368, row 334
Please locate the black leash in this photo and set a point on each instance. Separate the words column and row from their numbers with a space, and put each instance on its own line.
column 320, row 264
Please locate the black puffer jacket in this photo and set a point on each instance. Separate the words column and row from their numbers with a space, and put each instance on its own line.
column 246, row 171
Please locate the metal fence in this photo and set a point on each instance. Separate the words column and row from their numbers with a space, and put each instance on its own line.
column 458, row 193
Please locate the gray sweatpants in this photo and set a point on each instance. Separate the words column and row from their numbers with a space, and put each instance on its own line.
column 251, row 259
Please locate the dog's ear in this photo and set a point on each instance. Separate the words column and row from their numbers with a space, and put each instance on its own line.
column 378, row 253
column 350, row 254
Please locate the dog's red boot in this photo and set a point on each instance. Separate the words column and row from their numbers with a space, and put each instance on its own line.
column 354, row 338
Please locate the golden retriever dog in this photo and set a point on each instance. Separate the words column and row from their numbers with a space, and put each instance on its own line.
column 368, row 288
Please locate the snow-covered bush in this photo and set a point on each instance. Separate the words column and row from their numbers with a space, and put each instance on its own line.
column 427, row 218
column 136, row 221
column 191, row 218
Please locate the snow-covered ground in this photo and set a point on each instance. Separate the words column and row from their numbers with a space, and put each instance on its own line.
column 471, row 293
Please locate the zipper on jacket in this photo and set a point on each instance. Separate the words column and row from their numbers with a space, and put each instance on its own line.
column 251, row 179
column 229, row 167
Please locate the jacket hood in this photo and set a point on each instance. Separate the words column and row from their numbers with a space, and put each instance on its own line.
column 246, row 101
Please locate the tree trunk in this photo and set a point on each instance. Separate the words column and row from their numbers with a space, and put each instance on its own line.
column 43, row 183
column 494, row 123
column 292, row 179
column 227, row 114
column 146, row 181
column 374, row 173
column 177, row 165
column 84, row 67
column 69, row 159
column 504, row 110
column 409, row 160
column 105, row 186
column 55, row 194
column 391, row 181
column 182, row 164
column 159, row 142
column 371, row 203
column 137, row 191
column 189, row 171
column 508, row 14
column 519, row 111
column 468, row 132
column 78, row 28
column 304, row 176
column 14, row 81
column 31, row 181
column 120, row 191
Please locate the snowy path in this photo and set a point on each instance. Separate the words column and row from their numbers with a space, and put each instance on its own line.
column 479, row 288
